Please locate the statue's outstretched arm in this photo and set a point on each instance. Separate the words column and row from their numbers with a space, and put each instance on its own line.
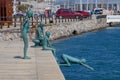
column 49, row 45
column 24, row 23
column 87, row 66
column 41, row 36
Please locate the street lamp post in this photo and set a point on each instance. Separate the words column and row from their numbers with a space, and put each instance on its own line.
column 65, row 5
column 68, row 4
column 36, row 6
column 75, row 8
column 96, row 4
column 81, row 5
column 14, row 7
column 107, row 4
column 87, row 5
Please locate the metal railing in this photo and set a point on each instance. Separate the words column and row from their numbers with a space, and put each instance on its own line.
column 17, row 21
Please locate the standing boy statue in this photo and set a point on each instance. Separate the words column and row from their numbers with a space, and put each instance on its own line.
column 24, row 32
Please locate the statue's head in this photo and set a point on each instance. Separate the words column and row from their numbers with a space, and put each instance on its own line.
column 29, row 13
column 47, row 33
column 83, row 60
column 42, row 24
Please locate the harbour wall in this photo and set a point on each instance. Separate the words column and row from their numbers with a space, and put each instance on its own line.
column 75, row 28
column 61, row 30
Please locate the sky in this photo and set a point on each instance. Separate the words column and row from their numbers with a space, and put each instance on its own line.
column 113, row 1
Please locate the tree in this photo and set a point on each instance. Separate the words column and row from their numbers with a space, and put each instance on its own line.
column 22, row 7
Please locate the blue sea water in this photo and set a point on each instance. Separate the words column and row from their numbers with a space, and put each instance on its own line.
column 100, row 48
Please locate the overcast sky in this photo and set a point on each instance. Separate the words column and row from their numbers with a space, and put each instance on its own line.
column 111, row 1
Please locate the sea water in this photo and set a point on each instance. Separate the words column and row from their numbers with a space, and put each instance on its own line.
column 100, row 48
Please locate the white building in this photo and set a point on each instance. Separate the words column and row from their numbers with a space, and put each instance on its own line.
column 41, row 5
column 91, row 4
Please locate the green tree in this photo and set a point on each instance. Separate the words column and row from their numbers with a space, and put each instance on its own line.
column 22, row 7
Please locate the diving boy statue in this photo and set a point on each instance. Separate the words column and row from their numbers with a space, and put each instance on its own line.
column 24, row 32
column 68, row 60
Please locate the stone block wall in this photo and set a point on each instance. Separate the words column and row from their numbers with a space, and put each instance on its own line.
column 72, row 28
column 62, row 29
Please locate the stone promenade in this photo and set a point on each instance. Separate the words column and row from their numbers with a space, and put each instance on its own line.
column 41, row 66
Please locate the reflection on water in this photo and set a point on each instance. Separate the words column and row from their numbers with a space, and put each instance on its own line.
column 101, row 49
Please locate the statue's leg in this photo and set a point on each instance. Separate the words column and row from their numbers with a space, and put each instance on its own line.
column 66, row 61
column 36, row 41
column 25, row 39
column 54, row 53
column 40, row 42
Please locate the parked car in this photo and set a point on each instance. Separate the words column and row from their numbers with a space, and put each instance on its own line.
column 98, row 11
column 38, row 15
column 19, row 15
column 67, row 13
column 84, row 13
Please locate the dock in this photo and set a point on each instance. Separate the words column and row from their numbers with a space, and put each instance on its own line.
column 41, row 66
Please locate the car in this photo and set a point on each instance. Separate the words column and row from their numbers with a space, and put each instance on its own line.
column 19, row 15
column 98, row 11
column 35, row 14
column 67, row 13
column 84, row 13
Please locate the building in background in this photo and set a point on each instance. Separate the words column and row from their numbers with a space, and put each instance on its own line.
column 91, row 4
column 6, row 10
column 41, row 6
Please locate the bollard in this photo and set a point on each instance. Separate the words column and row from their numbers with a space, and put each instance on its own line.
column 0, row 25
column 45, row 20
column 8, row 24
column 32, row 21
column 14, row 21
column 59, row 20
column 41, row 17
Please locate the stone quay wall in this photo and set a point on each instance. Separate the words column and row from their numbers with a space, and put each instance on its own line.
column 74, row 28
column 9, row 34
column 61, row 30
